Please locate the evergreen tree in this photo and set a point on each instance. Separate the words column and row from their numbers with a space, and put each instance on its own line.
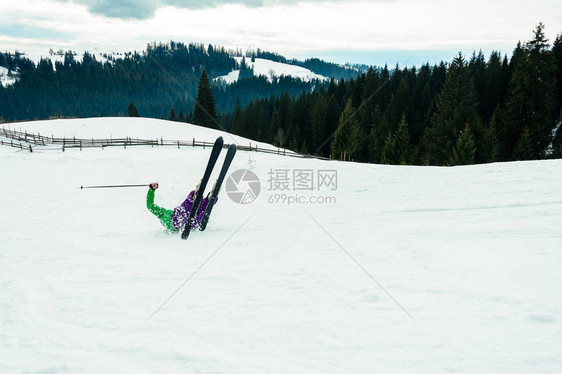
column 301, row 120
column 389, row 153
column 464, row 151
column 378, row 133
column 557, row 53
column 332, row 120
column 275, row 126
column 132, row 110
column 181, row 116
column 492, row 92
column 557, row 152
column 421, row 102
column 172, row 116
column 403, row 146
column 397, row 149
column 304, row 148
column 205, row 111
column 343, row 145
column 532, row 101
column 318, row 120
column 360, row 141
column 524, row 149
column 477, row 67
column 557, row 140
column 237, row 121
column 491, row 148
column 246, row 72
column 456, row 105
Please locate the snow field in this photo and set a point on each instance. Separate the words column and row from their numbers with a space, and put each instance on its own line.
column 472, row 253
column 270, row 68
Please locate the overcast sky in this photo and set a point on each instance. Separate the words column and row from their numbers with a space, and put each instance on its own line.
column 371, row 32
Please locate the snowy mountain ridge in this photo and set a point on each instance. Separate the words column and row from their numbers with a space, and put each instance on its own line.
column 265, row 67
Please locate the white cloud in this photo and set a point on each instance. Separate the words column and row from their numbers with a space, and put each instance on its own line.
column 143, row 9
column 291, row 27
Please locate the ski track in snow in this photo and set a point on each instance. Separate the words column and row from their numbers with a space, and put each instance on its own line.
column 472, row 253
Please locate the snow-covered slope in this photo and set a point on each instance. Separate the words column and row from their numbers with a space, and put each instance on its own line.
column 7, row 77
column 272, row 69
column 473, row 254
column 145, row 128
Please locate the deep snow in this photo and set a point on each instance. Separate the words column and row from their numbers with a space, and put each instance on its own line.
column 472, row 253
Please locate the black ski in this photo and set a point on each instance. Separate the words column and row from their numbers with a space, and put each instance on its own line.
column 217, row 147
column 215, row 192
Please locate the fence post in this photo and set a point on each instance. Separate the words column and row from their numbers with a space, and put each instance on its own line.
column 178, row 144
column 30, row 149
column 63, row 143
column 162, row 141
column 193, row 142
column 80, row 144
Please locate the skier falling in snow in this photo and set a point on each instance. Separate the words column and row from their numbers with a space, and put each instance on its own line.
column 175, row 220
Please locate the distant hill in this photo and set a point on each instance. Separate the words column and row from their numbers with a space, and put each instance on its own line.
column 162, row 77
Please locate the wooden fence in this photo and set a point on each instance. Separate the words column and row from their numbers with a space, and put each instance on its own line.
column 30, row 142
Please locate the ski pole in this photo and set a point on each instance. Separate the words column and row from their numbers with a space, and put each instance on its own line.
column 116, row 186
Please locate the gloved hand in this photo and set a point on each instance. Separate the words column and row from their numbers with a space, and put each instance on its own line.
column 153, row 186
